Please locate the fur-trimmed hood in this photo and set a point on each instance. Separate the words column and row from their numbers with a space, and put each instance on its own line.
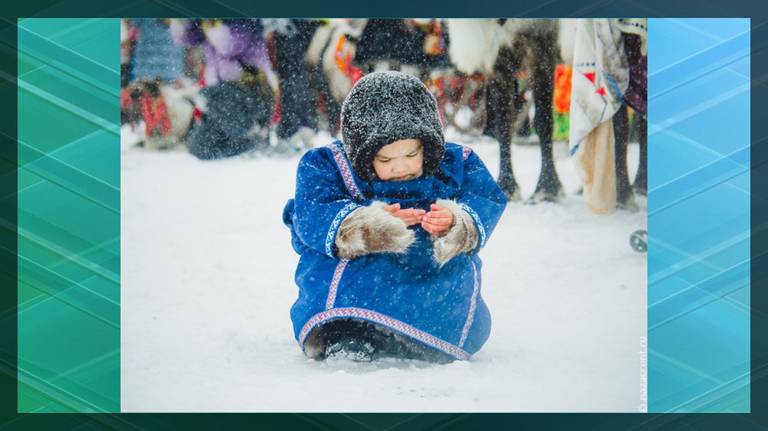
column 384, row 107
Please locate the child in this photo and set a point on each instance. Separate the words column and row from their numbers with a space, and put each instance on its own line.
column 388, row 225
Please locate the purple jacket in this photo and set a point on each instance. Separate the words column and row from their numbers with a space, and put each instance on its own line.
column 228, row 44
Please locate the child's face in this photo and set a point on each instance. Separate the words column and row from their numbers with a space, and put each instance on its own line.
column 399, row 161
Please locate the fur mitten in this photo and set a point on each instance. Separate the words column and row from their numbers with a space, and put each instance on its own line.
column 372, row 229
column 460, row 238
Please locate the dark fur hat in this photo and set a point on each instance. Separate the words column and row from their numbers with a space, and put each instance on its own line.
column 384, row 107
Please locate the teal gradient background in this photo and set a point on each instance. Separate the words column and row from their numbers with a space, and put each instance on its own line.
column 699, row 215
column 69, row 215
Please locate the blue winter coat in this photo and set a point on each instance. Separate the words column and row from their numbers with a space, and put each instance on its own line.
column 409, row 293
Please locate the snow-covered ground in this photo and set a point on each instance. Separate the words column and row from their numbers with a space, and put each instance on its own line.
column 207, row 282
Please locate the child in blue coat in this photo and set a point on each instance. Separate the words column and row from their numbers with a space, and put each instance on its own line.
column 388, row 225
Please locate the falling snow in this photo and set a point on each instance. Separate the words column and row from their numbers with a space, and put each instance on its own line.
column 207, row 283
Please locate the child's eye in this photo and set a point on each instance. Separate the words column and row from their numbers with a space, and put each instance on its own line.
column 415, row 153
column 383, row 160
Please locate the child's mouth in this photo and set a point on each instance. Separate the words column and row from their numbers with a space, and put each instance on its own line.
column 403, row 178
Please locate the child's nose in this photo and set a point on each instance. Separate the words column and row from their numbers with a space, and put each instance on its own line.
column 400, row 166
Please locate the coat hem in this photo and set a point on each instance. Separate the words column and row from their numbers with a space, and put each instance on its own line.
column 382, row 319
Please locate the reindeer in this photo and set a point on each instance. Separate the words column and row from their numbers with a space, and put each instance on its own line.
column 167, row 110
column 498, row 48
column 330, row 58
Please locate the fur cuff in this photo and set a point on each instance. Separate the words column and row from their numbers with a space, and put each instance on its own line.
column 372, row 229
column 460, row 238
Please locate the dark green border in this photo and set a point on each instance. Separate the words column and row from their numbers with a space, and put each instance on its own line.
column 655, row 8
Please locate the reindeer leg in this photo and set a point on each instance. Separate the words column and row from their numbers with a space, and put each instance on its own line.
column 502, row 88
column 548, row 187
column 625, row 199
column 641, row 177
column 499, row 111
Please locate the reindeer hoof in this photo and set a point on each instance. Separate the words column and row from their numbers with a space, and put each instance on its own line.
column 513, row 196
column 545, row 196
column 628, row 204
column 548, row 188
column 625, row 199
column 510, row 188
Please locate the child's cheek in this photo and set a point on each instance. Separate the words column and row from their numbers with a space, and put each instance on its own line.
column 418, row 167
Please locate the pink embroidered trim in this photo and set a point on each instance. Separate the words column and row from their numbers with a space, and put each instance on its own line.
column 335, row 283
column 346, row 172
column 385, row 320
column 472, row 307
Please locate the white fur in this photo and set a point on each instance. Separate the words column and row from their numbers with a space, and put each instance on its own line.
column 567, row 38
column 339, row 83
column 475, row 44
column 394, row 233
column 178, row 102
column 316, row 45
column 462, row 236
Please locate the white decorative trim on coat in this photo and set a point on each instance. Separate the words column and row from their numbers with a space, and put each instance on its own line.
column 478, row 222
column 337, row 273
column 472, row 308
column 334, row 227
column 346, row 171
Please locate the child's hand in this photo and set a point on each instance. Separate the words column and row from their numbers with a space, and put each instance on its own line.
column 410, row 216
column 438, row 221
